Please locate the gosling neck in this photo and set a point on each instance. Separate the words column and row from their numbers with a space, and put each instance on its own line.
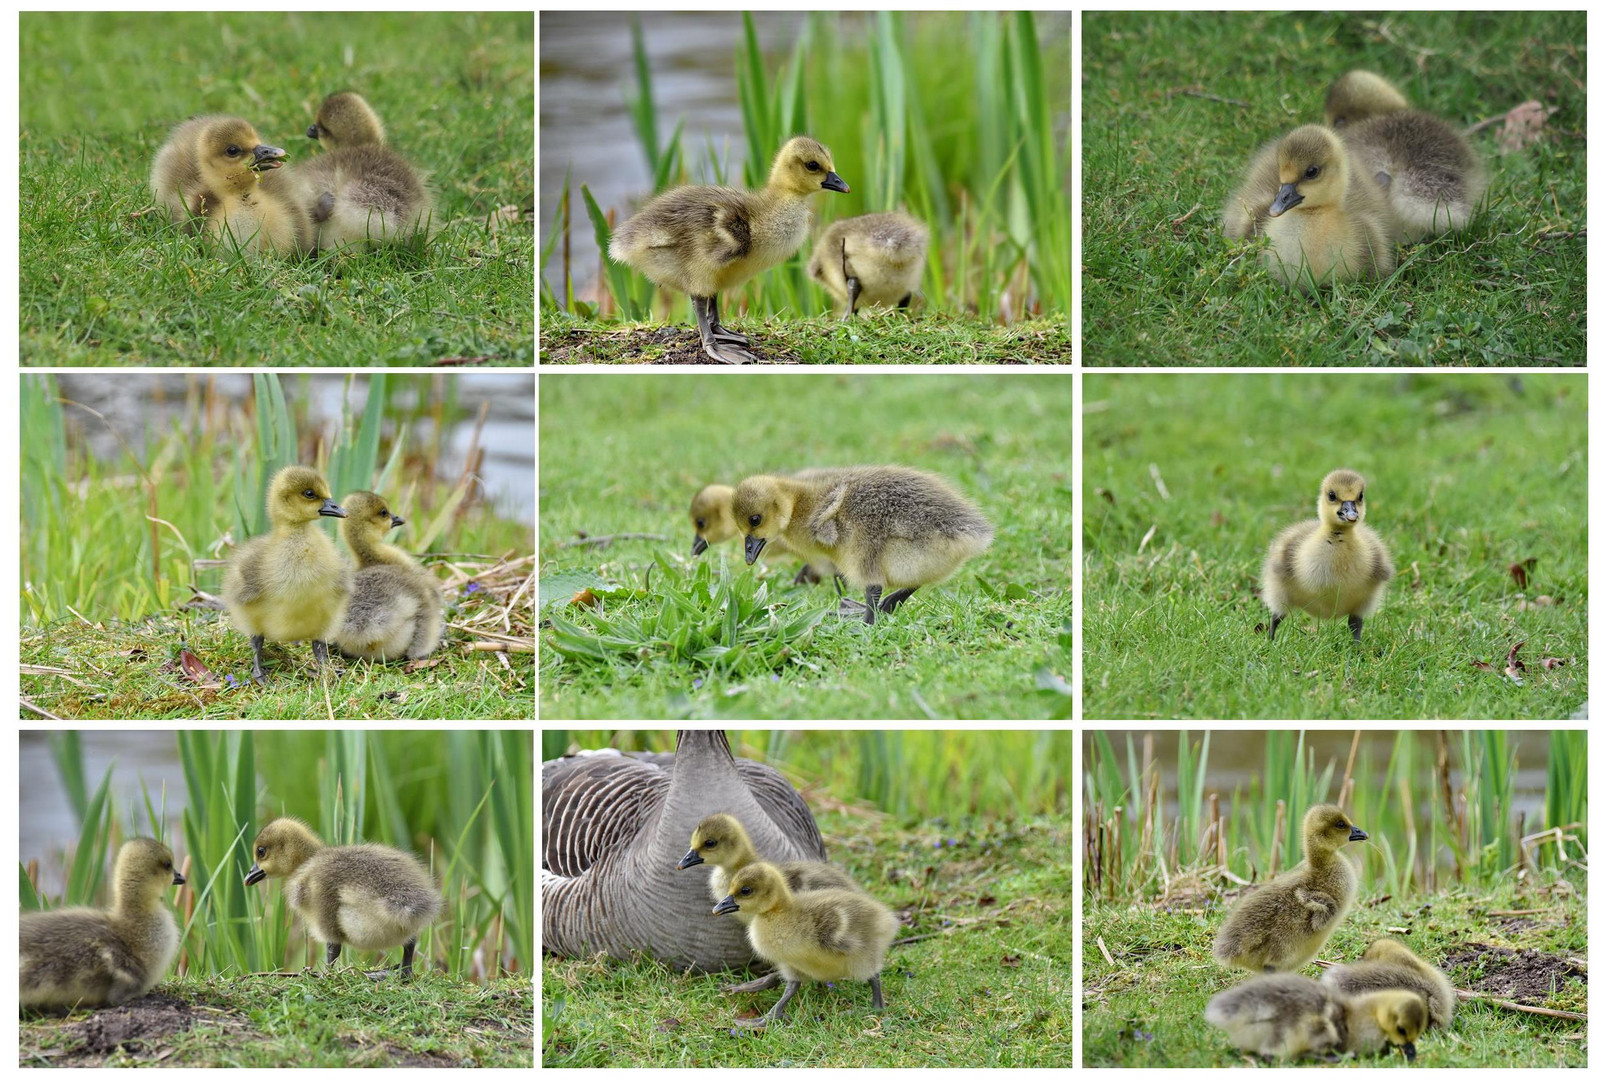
column 371, row 550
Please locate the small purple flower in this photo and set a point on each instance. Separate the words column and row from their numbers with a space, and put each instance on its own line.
column 774, row 678
column 231, row 680
column 696, row 684
column 473, row 587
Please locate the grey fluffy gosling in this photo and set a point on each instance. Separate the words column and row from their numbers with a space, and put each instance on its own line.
column 367, row 896
column 1331, row 566
column 705, row 240
column 212, row 175
column 1434, row 180
column 883, row 526
column 394, row 610
column 90, row 957
column 1281, row 925
column 1329, row 221
column 1388, row 964
column 1287, row 1016
column 361, row 192
column 289, row 585
column 871, row 259
column 826, row 935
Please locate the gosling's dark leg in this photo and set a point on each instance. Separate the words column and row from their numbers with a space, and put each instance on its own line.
column 905, row 301
column 854, row 289
column 1356, row 624
column 775, row 1013
column 406, row 957
column 257, row 674
column 871, row 601
column 320, row 653
column 879, row 1000
column 724, row 352
column 771, row 979
column 805, row 576
column 331, row 953
column 1275, row 621
column 723, row 334
column 323, row 208
column 893, row 601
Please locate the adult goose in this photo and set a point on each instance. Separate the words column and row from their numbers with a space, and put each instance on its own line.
column 614, row 828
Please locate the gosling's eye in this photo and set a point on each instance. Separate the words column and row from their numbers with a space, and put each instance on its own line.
column 701, row 523
column 1311, row 172
column 813, row 166
column 709, row 845
column 309, row 494
column 234, row 151
column 746, row 890
column 261, row 852
column 755, row 520
column 1331, row 495
column 1361, row 497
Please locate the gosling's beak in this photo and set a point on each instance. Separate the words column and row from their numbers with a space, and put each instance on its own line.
column 178, row 879
column 726, row 905
column 833, row 182
column 256, row 874
column 311, row 132
column 1349, row 512
column 1409, row 1051
column 267, row 157
column 698, row 546
column 331, row 509
column 397, row 522
column 1285, row 200
column 754, row 548
column 1356, row 833
column 691, row 859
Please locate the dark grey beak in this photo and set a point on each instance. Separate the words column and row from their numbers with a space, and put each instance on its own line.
column 311, row 132
column 1356, row 833
column 691, row 859
column 397, row 522
column 698, row 546
column 331, row 509
column 754, row 548
column 178, row 879
column 726, row 905
column 1349, row 512
column 267, row 157
column 255, row 874
column 1409, row 1051
column 1285, row 200
column 832, row 182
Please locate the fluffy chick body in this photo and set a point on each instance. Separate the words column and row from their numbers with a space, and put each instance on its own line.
column 90, row 957
column 361, row 193
column 873, row 259
column 1281, row 925
column 1329, row 221
column 1388, row 964
column 1288, row 1016
column 1332, row 566
column 721, row 841
column 394, row 608
column 214, row 174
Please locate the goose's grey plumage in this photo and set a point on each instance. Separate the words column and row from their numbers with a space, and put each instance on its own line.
column 614, row 827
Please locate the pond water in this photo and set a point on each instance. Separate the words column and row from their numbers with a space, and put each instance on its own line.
column 140, row 408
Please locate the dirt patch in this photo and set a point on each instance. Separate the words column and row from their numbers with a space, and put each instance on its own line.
column 1523, row 975
column 655, row 345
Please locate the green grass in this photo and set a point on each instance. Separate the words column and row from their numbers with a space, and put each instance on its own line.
column 1163, row 286
column 958, row 118
column 1145, row 1009
column 876, row 336
column 992, row 642
column 995, row 992
column 306, row 1021
column 1467, row 475
column 101, row 281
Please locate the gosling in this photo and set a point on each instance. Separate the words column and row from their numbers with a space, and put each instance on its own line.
column 290, row 585
column 91, row 957
column 1388, row 964
column 1287, row 1016
column 1281, row 925
column 209, row 176
column 706, row 240
column 394, row 609
column 882, row 526
column 1329, row 222
column 367, row 896
column 361, row 193
column 872, row 259
column 1332, row 566
column 826, row 935
column 714, row 522
column 721, row 842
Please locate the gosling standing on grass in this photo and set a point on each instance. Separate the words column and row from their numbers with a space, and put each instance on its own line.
column 92, row 957
column 290, row 585
column 826, row 935
column 367, row 896
column 394, row 610
column 706, row 240
column 1281, row 925
column 882, row 526
column 1333, row 566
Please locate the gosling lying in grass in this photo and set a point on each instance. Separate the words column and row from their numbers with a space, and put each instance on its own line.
column 1288, row 1016
column 1388, row 964
column 89, row 957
